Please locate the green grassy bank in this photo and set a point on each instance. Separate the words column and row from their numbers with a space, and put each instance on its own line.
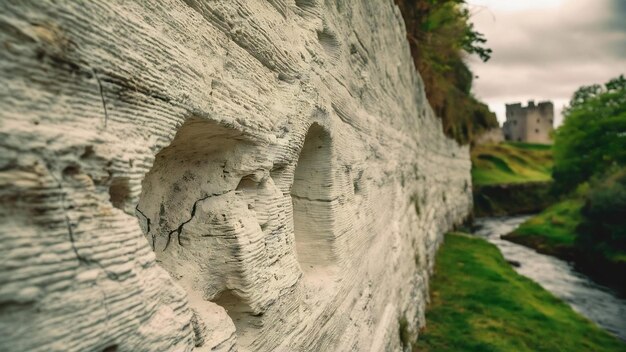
column 553, row 231
column 479, row 303
column 556, row 231
column 508, row 163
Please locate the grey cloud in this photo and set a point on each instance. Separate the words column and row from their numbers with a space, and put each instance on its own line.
column 548, row 54
column 577, row 32
column 618, row 21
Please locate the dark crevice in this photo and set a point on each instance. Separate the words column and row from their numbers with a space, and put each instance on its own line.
column 179, row 229
column 305, row 4
column 123, row 83
column 112, row 348
column 119, row 192
column 198, row 327
column 145, row 217
column 70, row 232
column 314, row 199
column 147, row 225
column 104, row 104
column 356, row 35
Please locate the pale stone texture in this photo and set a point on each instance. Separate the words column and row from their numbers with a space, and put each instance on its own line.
column 217, row 175
column 492, row 136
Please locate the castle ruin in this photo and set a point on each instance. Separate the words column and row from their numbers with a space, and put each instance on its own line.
column 533, row 123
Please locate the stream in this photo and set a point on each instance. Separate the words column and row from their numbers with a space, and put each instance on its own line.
column 597, row 303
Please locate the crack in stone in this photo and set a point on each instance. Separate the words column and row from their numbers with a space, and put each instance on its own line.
column 104, row 105
column 147, row 225
column 179, row 229
column 70, row 232
column 314, row 199
column 68, row 222
column 144, row 215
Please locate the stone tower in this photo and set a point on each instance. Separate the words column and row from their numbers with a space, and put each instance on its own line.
column 533, row 123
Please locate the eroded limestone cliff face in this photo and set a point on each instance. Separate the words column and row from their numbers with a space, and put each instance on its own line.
column 217, row 175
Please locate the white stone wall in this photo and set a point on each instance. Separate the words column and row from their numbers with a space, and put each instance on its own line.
column 492, row 136
column 216, row 175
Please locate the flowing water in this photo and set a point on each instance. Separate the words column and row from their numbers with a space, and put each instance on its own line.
column 593, row 301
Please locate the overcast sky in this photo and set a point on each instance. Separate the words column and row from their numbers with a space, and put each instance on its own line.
column 546, row 49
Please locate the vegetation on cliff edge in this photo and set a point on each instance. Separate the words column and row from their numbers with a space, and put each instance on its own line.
column 440, row 35
column 496, row 309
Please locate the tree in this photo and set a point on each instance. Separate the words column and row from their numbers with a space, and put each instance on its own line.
column 592, row 138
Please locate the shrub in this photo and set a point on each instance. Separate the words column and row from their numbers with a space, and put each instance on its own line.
column 604, row 224
column 592, row 138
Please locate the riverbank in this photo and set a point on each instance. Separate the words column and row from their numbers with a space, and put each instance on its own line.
column 554, row 232
column 496, row 309
column 511, row 178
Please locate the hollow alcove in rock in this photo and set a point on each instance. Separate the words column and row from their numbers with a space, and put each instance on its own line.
column 195, row 209
column 313, row 202
column 119, row 192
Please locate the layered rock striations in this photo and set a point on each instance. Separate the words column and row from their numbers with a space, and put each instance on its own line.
column 217, row 175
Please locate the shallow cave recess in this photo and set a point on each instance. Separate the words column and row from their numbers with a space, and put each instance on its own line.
column 205, row 199
column 312, row 199
column 191, row 207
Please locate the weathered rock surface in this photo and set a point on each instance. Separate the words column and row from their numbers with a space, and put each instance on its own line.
column 216, row 175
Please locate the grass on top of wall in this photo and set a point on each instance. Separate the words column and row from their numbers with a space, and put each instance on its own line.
column 511, row 163
column 479, row 303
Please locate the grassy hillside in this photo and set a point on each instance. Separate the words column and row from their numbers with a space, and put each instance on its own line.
column 511, row 163
column 479, row 303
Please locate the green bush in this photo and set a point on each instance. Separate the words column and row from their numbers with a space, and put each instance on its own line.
column 604, row 213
